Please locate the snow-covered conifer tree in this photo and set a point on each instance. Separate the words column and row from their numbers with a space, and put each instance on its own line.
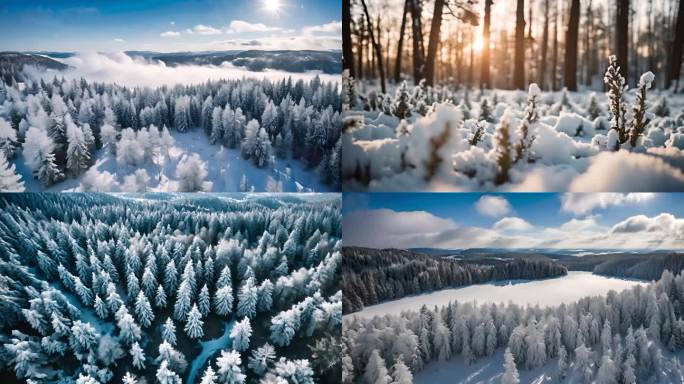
column 261, row 359
column 193, row 327
column 240, row 335
column 510, row 375
column 229, row 370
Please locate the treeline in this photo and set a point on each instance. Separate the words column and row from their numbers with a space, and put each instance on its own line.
column 648, row 266
column 619, row 338
column 372, row 276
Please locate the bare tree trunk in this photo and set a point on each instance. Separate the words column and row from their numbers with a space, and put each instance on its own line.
column 485, row 82
column 347, row 55
column 519, row 64
column 622, row 36
column 471, row 72
column 570, row 74
column 361, row 47
column 676, row 49
column 589, row 25
column 554, row 61
column 376, row 46
column 544, row 46
column 417, row 35
column 400, row 44
column 433, row 44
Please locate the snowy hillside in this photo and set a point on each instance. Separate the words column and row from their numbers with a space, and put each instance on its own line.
column 442, row 138
column 170, row 288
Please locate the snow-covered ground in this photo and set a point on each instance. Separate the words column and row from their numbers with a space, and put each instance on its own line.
column 226, row 168
column 448, row 143
column 545, row 293
column 489, row 371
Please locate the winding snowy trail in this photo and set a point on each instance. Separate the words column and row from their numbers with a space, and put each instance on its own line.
column 208, row 349
column 547, row 292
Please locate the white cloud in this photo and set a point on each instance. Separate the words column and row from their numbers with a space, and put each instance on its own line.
column 241, row 26
column 122, row 69
column 494, row 206
column 202, row 29
column 173, row 23
column 583, row 203
column 385, row 228
column 333, row 27
column 170, row 34
column 119, row 40
column 512, row 224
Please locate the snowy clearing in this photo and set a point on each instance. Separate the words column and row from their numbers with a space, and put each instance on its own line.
column 226, row 169
column 440, row 139
column 545, row 293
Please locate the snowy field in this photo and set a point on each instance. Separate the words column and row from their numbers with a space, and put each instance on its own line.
column 425, row 139
column 545, row 293
column 226, row 170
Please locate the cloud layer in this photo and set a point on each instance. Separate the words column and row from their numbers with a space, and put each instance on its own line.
column 384, row 228
column 583, row 203
column 122, row 69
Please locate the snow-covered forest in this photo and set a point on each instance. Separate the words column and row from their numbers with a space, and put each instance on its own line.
column 633, row 336
column 513, row 95
column 220, row 135
column 170, row 289
column 372, row 276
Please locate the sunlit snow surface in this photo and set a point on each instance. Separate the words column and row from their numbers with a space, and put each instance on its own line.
column 547, row 292
column 570, row 150
column 226, row 168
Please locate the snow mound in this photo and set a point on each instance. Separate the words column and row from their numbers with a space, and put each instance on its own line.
column 628, row 172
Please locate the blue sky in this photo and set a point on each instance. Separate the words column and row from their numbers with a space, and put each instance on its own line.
column 64, row 25
column 467, row 220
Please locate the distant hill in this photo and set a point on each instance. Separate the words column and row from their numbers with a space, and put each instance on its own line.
column 329, row 62
column 12, row 63
column 638, row 264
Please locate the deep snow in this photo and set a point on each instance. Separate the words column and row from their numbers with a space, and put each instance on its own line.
column 225, row 166
column 571, row 149
column 545, row 293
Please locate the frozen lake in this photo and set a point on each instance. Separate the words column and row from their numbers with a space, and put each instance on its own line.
column 547, row 292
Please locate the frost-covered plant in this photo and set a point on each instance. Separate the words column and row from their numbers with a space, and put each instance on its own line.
column 434, row 159
column 662, row 109
column 616, row 87
column 420, row 98
column 401, row 107
column 478, row 134
column 593, row 108
column 522, row 148
column 502, row 148
column 639, row 121
column 485, row 112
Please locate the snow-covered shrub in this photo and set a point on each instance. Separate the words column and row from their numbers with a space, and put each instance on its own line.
column 137, row 182
column 191, row 173
column 96, row 181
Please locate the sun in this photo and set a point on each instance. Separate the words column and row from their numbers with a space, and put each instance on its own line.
column 272, row 6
